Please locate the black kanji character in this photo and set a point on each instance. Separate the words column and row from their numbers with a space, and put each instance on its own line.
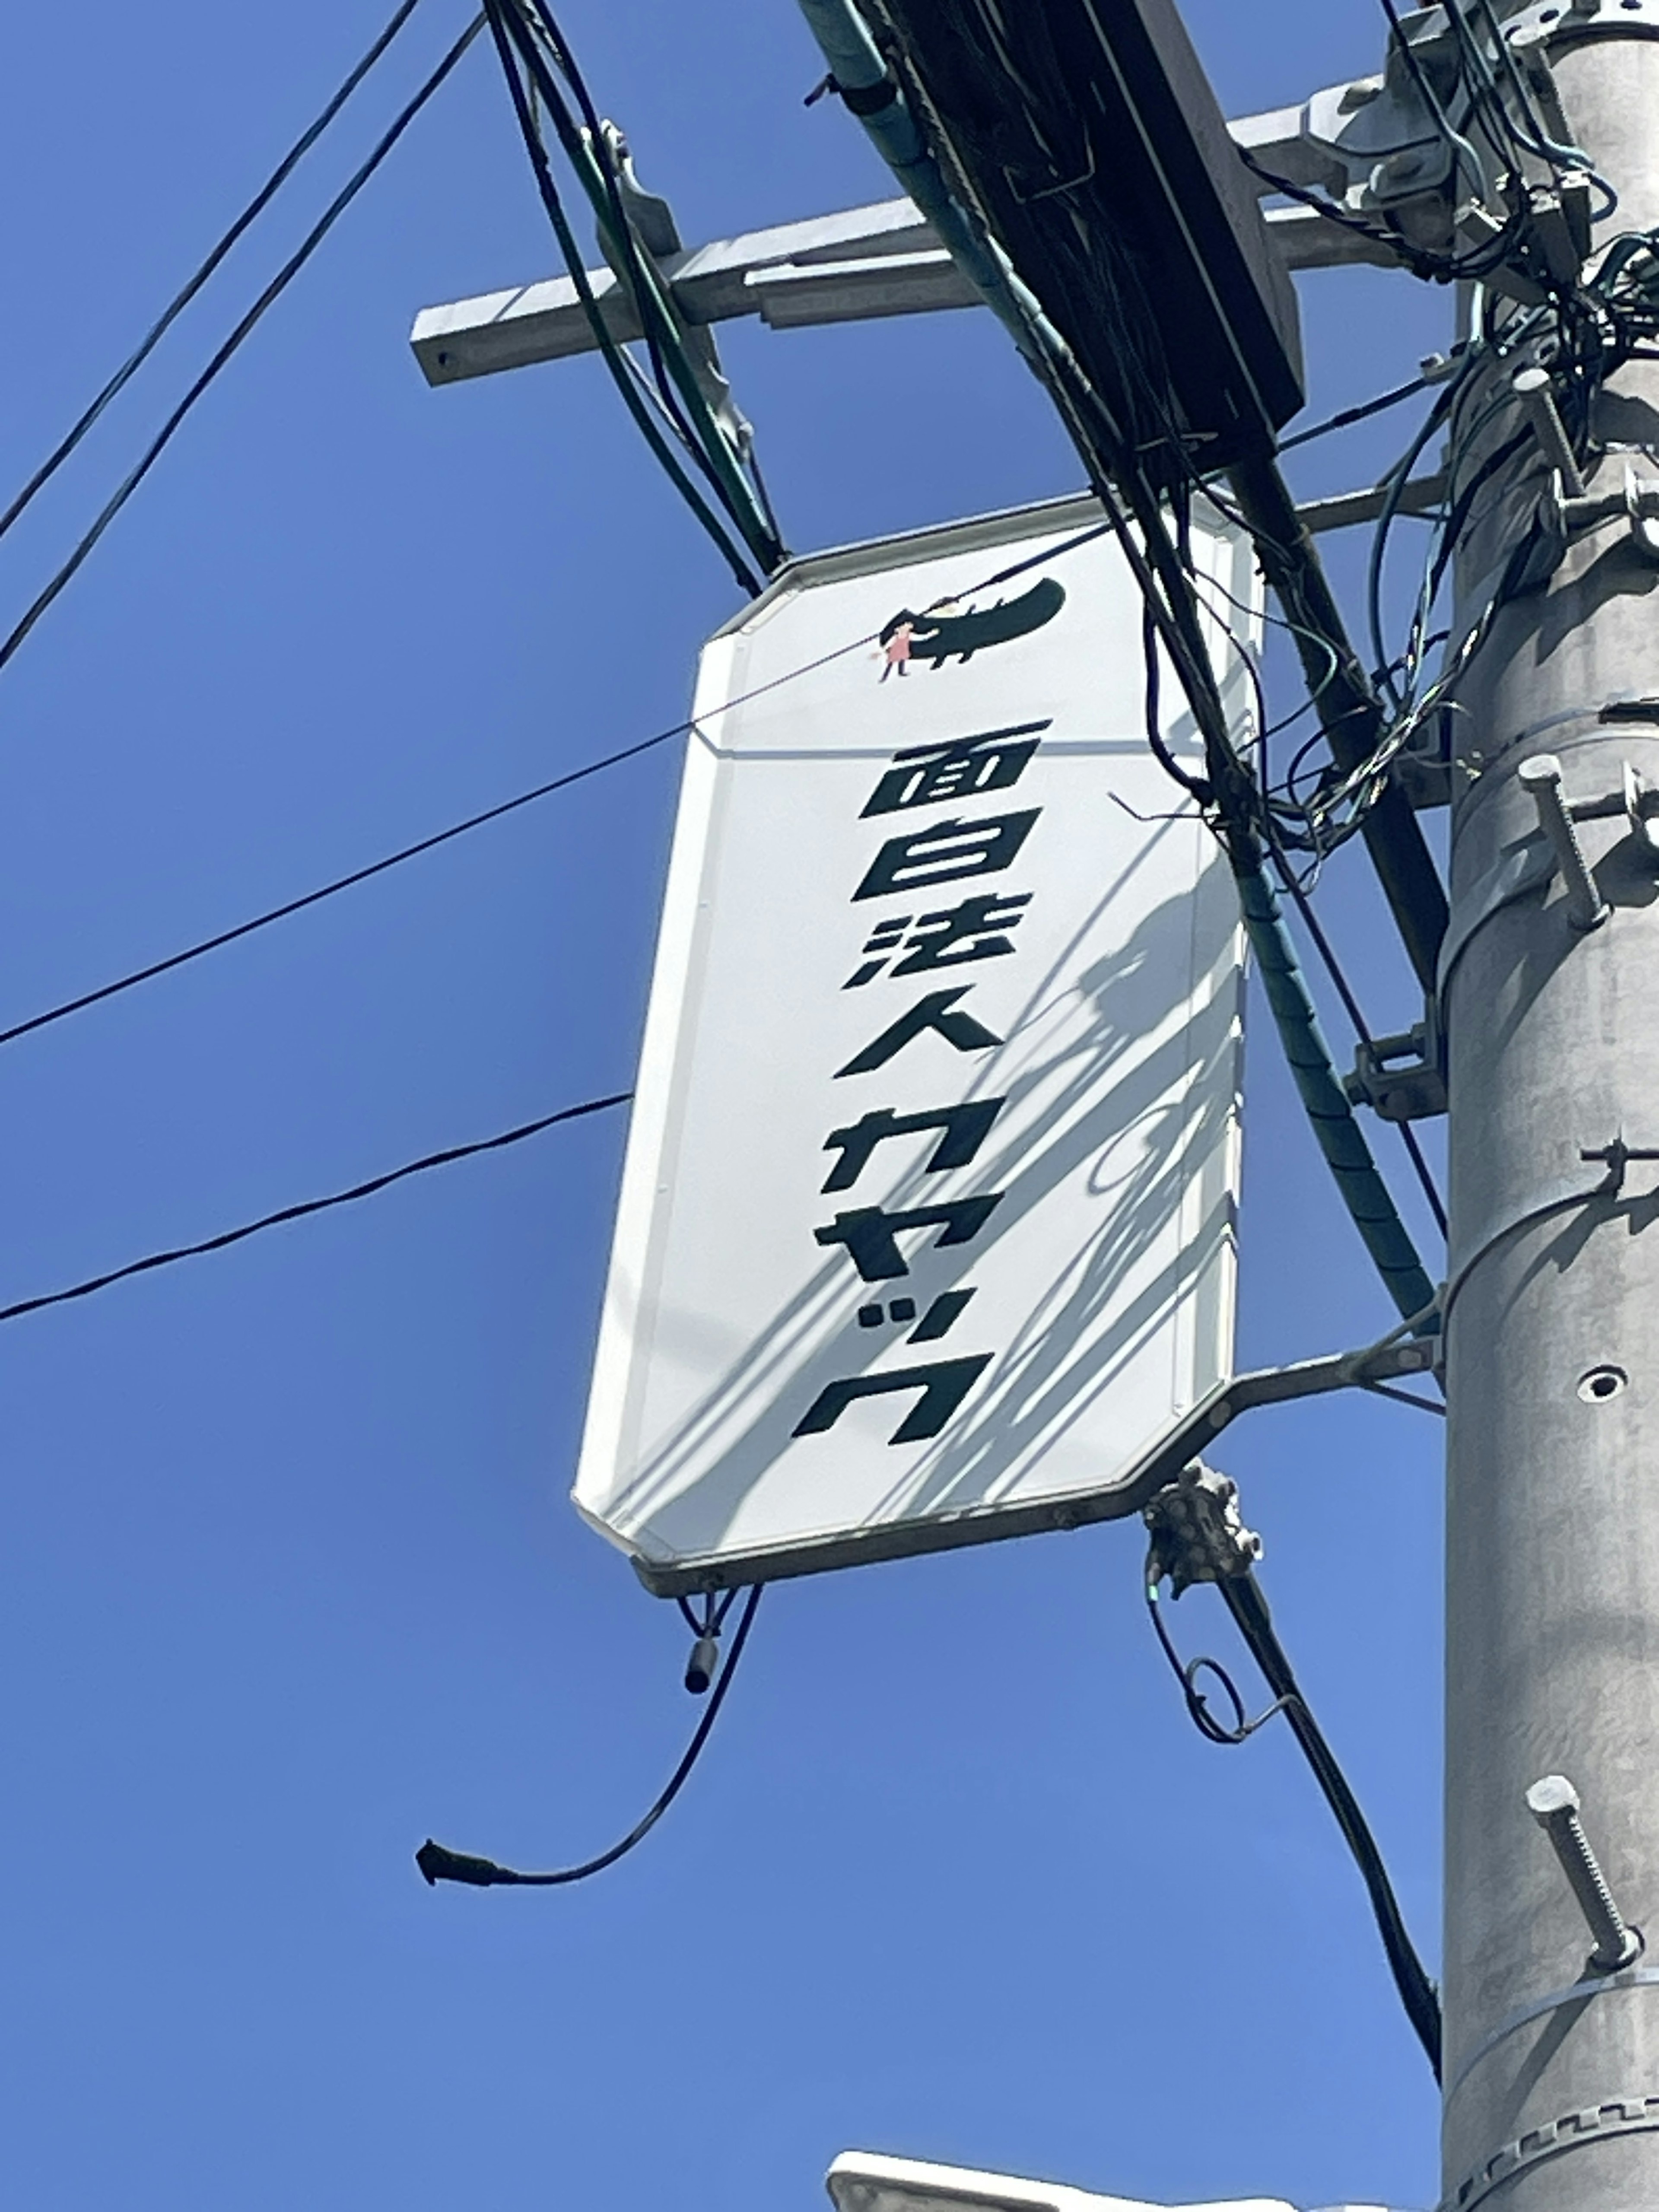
column 944, row 1385
column 871, row 1234
column 977, row 929
column 937, row 1011
column 964, row 1128
column 960, row 768
column 946, row 851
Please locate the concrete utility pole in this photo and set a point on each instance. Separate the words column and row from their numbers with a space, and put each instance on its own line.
column 1551, row 2081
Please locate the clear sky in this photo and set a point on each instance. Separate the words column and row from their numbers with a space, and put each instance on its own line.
column 290, row 1578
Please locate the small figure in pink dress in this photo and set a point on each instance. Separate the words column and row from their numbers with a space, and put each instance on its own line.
column 896, row 650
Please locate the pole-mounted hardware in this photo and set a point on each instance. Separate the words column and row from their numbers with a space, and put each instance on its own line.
column 1586, row 908
column 1616, row 1158
column 1401, row 1078
column 1534, row 388
column 1563, row 516
column 1196, row 1530
column 1553, row 1803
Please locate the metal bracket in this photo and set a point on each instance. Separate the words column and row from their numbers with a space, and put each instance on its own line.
column 1376, row 1367
column 1401, row 1079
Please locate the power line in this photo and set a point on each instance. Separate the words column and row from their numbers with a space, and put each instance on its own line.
column 229, row 1236
column 327, row 890
column 170, row 314
column 504, row 29
column 273, row 291
column 438, row 1864
column 203, row 945
column 1347, row 416
column 1243, row 1597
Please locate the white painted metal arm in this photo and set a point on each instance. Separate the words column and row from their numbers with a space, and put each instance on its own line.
column 865, row 262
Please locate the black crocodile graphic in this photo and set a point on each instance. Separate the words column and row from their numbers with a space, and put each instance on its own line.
column 940, row 637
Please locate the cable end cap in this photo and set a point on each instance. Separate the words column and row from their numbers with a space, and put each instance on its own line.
column 438, row 1864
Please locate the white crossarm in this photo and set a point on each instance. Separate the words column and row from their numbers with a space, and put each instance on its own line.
column 862, row 263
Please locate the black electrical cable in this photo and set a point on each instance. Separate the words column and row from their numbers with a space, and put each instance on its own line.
column 1347, row 415
column 438, row 1864
column 223, row 937
column 229, row 1236
column 708, row 449
column 609, row 352
column 1248, row 1609
column 273, row 291
column 170, row 314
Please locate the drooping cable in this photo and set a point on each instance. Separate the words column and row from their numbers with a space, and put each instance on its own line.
column 501, row 22
column 223, row 937
column 1337, row 1133
column 310, row 1205
column 220, row 937
column 437, row 1863
column 256, row 207
column 271, row 294
column 1249, row 1608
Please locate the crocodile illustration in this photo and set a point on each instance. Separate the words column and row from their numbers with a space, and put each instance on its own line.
column 939, row 637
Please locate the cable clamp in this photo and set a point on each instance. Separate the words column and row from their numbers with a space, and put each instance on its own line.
column 1197, row 1533
column 1403, row 1078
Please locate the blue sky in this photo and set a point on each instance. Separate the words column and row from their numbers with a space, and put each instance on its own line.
column 291, row 1579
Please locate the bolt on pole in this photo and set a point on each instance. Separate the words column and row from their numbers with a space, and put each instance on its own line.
column 1552, row 1007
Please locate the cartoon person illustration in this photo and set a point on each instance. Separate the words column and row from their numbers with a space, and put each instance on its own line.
column 952, row 630
column 896, row 648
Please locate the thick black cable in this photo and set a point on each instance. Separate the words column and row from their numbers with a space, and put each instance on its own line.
column 438, row 1864
column 1348, row 415
column 229, row 1236
column 273, row 291
column 274, row 913
column 1248, row 1609
column 175, row 307
column 501, row 31
column 656, row 325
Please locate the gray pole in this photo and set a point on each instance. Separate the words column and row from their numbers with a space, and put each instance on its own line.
column 1552, row 1335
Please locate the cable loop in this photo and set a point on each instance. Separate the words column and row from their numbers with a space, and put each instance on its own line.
column 1187, row 1673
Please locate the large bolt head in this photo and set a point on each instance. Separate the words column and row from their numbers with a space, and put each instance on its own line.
column 1553, row 1793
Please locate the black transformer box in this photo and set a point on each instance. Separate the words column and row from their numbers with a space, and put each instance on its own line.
column 1089, row 138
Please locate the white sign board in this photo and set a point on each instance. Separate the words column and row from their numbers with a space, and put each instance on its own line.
column 926, row 1232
